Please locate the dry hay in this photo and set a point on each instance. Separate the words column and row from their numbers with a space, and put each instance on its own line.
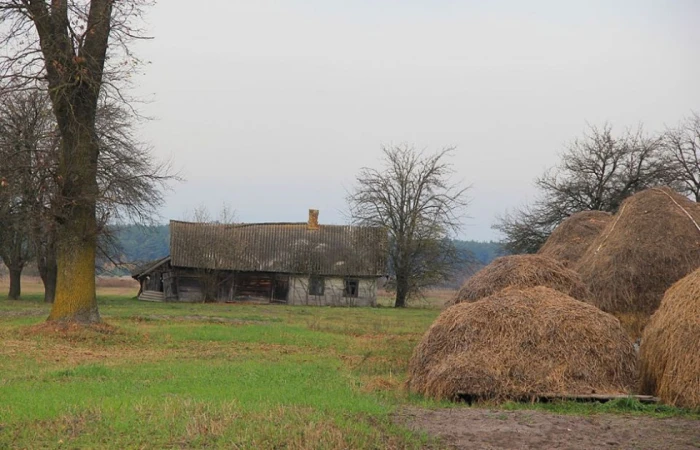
column 522, row 271
column 519, row 343
column 670, row 350
column 570, row 240
column 633, row 322
column 652, row 242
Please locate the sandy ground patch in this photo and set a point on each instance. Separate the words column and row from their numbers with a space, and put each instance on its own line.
column 483, row 429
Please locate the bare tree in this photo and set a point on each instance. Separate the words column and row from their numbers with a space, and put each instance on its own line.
column 26, row 127
column 413, row 198
column 596, row 172
column 65, row 44
column 202, row 214
column 130, row 180
column 15, row 248
column 682, row 152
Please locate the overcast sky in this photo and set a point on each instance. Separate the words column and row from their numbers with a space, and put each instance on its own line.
column 272, row 107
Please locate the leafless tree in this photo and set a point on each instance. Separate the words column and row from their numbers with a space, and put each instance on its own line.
column 202, row 214
column 65, row 44
column 27, row 155
column 413, row 197
column 15, row 248
column 130, row 180
column 682, row 152
column 596, row 172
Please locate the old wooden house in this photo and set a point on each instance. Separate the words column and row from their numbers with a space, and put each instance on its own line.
column 295, row 263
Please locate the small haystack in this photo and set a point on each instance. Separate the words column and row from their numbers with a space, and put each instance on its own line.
column 670, row 351
column 652, row 242
column 570, row 240
column 519, row 343
column 522, row 271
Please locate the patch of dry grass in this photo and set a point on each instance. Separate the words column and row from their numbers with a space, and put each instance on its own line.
column 432, row 298
column 111, row 286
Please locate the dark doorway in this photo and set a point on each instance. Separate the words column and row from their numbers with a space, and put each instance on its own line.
column 280, row 288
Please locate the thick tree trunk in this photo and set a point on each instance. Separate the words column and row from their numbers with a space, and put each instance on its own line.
column 15, row 283
column 75, row 299
column 76, row 243
column 401, row 291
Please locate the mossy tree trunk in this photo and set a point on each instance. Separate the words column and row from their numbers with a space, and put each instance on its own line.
column 76, row 243
column 74, row 71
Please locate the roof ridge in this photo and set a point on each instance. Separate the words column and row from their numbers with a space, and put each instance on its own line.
column 247, row 224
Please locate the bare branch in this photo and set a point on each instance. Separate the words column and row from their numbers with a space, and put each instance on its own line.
column 596, row 172
column 682, row 153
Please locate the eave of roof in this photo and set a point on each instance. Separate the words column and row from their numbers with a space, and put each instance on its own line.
column 149, row 267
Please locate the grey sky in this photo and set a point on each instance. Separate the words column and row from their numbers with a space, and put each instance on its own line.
column 273, row 106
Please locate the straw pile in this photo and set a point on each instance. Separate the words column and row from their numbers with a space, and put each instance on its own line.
column 570, row 240
column 652, row 242
column 670, row 350
column 522, row 271
column 519, row 343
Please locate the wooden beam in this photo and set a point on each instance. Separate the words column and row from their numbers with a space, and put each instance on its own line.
column 548, row 397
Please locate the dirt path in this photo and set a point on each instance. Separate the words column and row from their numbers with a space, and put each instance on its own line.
column 483, row 429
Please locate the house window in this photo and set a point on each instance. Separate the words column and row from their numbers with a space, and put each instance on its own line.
column 316, row 285
column 352, row 287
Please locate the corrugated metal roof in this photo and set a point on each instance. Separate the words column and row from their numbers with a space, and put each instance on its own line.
column 340, row 250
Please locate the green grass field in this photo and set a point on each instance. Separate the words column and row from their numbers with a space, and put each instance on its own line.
column 206, row 375
column 169, row 375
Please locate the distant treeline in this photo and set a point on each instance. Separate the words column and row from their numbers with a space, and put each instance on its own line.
column 139, row 243
column 482, row 252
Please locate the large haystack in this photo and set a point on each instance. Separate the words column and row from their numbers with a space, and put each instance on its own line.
column 570, row 240
column 522, row 271
column 670, row 351
column 520, row 343
column 652, row 242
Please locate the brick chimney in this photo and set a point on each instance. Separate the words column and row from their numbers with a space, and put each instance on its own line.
column 313, row 219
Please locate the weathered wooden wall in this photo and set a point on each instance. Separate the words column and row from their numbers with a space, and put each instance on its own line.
column 169, row 286
column 189, row 285
column 189, row 288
